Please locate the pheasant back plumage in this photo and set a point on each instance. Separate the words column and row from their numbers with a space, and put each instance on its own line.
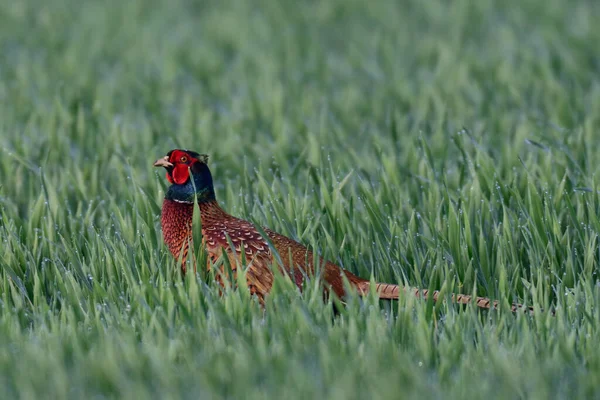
column 300, row 263
column 240, row 242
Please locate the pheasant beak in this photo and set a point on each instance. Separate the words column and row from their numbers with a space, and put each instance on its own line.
column 163, row 162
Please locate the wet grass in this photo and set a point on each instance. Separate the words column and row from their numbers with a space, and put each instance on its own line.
column 439, row 145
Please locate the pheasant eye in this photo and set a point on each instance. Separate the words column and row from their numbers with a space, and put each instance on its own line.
column 183, row 159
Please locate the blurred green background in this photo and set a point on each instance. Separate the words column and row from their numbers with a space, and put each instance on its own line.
column 433, row 143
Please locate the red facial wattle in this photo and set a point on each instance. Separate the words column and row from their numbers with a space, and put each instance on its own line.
column 179, row 174
column 178, row 163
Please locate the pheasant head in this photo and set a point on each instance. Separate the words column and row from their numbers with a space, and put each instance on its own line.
column 189, row 174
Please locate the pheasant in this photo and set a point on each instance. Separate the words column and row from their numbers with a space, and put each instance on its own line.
column 239, row 240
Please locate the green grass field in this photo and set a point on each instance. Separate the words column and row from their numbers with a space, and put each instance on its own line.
column 438, row 144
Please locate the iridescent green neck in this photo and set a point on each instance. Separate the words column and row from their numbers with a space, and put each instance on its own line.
column 201, row 186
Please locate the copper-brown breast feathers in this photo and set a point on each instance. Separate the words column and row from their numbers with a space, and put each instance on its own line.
column 176, row 221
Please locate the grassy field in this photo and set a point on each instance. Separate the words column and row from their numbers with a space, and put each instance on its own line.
column 439, row 144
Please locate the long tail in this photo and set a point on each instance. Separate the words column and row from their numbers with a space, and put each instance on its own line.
column 390, row 291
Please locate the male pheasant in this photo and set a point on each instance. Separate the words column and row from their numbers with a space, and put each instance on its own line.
column 223, row 234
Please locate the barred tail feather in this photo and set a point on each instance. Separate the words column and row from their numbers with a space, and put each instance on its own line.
column 392, row 292
column 387, row 291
